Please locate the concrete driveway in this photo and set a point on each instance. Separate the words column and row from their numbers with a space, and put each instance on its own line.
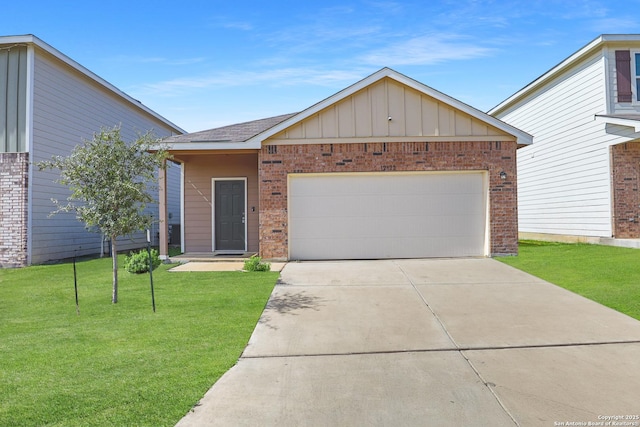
column 437, row 342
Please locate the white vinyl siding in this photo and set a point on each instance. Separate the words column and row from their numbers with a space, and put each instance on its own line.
column 387, row 215
column 563, row 177
column 67, row 108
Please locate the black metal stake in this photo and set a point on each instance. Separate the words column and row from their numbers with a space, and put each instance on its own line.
column 153, row 298
column 75, row 283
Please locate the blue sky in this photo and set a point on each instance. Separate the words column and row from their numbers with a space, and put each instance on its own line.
column 204, row 64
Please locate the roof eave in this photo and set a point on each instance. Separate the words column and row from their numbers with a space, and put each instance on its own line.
column 35, row 41
column 635, row 124
column 200, row 146
column 595, row 44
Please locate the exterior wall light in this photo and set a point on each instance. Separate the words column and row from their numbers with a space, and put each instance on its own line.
column 503, row 175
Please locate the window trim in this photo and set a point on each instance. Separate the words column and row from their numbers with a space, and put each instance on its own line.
column 635, row 77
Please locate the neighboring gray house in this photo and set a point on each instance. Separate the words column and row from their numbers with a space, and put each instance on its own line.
column 48, row 104
column 580, row 181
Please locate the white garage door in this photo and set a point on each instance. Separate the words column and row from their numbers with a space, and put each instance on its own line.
column 387, row 215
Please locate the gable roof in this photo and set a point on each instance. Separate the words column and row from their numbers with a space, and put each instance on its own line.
column 522, row 138
column 562, row 67
column 240, row 136
column 30, row 39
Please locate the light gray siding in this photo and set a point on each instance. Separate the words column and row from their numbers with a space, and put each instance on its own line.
column 67, row 108
column 563, row 177
column 13, row 93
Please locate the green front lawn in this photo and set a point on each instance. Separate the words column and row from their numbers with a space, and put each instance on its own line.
column 606, row 274
column 118, row 364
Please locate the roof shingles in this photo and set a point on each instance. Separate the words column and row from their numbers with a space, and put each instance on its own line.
column 233, row 133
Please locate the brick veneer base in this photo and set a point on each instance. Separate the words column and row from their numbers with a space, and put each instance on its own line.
column 276, row 162
column 14, row 169
column 625, row 163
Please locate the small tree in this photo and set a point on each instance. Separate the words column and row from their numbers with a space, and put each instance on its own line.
column 110, row 183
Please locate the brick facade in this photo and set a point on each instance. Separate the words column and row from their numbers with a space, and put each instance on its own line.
column 625, row 166
column 275, row 162
column 14, row 169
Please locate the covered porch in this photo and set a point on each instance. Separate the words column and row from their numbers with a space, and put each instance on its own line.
column 219, row 189
column 219, row 206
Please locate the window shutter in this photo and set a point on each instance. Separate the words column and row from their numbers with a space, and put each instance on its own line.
column 623, row 74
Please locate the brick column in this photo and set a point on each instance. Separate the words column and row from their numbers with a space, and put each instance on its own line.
column 14, row 173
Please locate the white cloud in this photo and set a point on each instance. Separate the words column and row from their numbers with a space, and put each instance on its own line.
column 614, row 25
column 230, row 23
column 426, row 50
column 155, row 60
column 275, row 78
column 387, row 7
column 237, row 25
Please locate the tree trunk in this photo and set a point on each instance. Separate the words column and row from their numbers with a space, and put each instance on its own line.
column 114, row 257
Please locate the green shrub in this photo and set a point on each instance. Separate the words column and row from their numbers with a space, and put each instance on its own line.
column 255, row 264
column 138, row 262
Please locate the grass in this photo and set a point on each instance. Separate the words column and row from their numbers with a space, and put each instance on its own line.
column 118, row 364
column 608, row 275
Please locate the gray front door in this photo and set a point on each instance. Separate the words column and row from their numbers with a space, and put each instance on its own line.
column 229, row 215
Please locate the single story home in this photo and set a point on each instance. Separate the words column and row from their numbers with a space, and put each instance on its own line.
column 386, row 168
column 48, row 104
column 580, row 181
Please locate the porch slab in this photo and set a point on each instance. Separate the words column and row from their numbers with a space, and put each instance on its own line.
column 211, row 257
column 220, row 266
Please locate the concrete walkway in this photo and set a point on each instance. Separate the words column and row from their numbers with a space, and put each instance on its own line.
column 439, row 342
column 194, row 266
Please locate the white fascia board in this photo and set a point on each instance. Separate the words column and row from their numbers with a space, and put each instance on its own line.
column 521, row 137
column 35, row 41
column 566, row 64
column 196, row 146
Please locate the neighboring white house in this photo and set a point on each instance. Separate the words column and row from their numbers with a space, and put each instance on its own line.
column 49, row 104
column 580, row 179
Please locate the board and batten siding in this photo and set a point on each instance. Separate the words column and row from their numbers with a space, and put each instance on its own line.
column 13, row 98
column 68, row 107
column 386, row 109
column 563, row 177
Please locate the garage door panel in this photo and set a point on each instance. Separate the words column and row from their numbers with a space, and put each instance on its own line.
column 361, row 216
column 377, row 248
column 388, row 227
